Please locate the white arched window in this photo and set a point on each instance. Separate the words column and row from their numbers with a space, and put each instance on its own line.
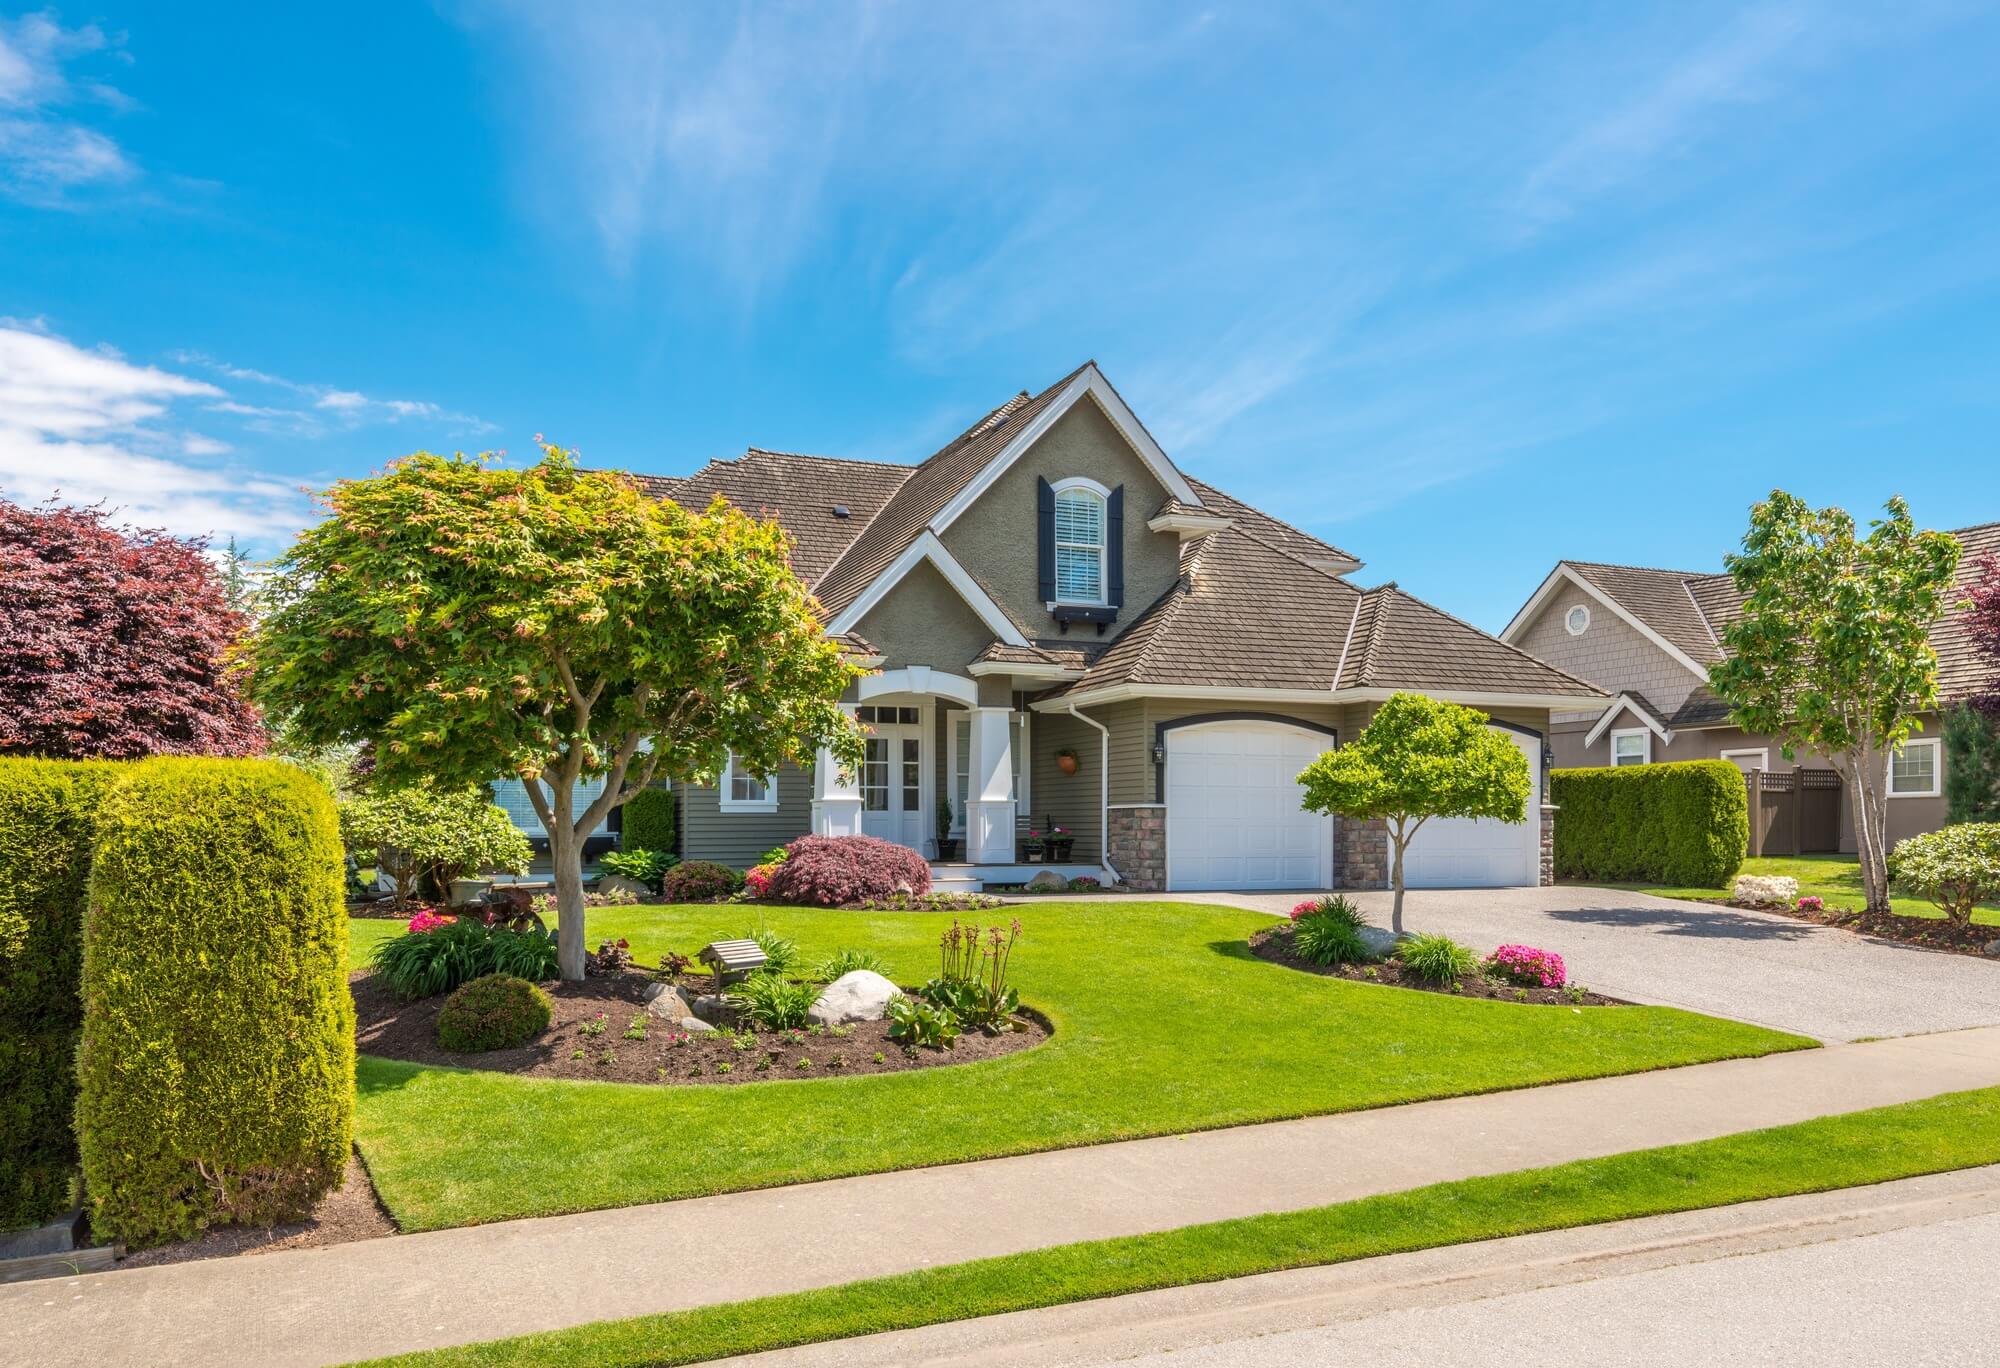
column 1080, row 522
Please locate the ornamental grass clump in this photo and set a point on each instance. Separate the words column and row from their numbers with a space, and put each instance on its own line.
column 1436, row 959
column 438, row 953
column 1327, row 931
column 1525, row 965
column 494, row 1012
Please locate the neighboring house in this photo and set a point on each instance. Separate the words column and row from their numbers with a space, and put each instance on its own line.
column 1050, row 581
column 1647, row 637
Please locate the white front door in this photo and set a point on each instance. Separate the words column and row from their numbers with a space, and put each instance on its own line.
column 1478, row 852
column 1234, row 814
column 892, row 784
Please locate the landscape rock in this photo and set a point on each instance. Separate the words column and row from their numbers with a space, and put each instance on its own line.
column 1766, row 890
column 1381, row 944
column 618, row 883
column 686, row 1010
column 1047, row 881
column 863, row 995
column 1993, row 948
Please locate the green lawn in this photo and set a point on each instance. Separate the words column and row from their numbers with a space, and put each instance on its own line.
column 1164, row 1023
column 1834, row 878
column 1958, row 1130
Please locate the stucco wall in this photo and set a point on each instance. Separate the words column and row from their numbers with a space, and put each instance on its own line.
column 995, row 538
column 1610, row 653
column 924, row 621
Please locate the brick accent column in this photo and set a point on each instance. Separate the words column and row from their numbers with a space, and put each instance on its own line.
column 1138, row 846
column 1548, row 845
column 1360, row 853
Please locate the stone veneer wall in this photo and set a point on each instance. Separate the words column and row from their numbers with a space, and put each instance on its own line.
column 1360, row 853
column 1547, row 865
column 1138, row 846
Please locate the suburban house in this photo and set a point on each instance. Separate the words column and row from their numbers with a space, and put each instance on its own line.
column 1067, row 632
column 1647, row 638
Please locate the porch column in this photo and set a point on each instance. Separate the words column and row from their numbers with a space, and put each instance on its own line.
column 989, row 823
column 836, row 802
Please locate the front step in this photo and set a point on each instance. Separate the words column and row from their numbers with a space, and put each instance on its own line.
column 956, row 883
column 960, row 877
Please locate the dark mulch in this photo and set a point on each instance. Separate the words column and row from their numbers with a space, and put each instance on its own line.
column 1274, row 943
column 350, row 1212
column 1933, row 933
column 587, row 1039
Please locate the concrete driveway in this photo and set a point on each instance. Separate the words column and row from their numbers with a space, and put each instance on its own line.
column 1753, row 966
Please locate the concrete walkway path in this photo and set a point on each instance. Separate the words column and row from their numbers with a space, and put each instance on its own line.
column 333, row 1305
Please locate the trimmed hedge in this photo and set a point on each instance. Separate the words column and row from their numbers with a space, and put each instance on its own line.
column 48, row 814
column 648, row 823
column 217, row 1064
column 1685, row 823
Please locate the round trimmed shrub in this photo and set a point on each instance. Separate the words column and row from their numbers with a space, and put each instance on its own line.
column 217, row 1063
column 1956, row 867
column 699, row 881
column 498, row 1012
column 833, row 871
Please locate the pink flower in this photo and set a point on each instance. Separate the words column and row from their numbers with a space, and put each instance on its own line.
column 429, row 919
column 1305, row 908
column 1809, row 903
column 1527, row 965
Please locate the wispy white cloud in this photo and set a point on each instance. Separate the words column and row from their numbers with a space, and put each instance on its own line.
column 46, row 153
column 322, row 406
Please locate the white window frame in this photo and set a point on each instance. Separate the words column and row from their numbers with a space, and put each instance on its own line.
column 727, row 785
column 1935, row 746
column 1076, row 484
column 1763, row 754
column 1646, row 756
column 1571, row 612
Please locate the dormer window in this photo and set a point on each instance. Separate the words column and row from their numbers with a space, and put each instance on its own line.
column 1080, row 541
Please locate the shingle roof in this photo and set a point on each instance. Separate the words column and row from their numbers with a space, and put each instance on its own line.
column 1401, row 642
column 1065, row 655
column 801, row 492
column 930, row 487
column 1694, row 610
column 1282, row 535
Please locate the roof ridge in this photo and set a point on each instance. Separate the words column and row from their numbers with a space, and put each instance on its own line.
column 815, row 456
column 1646, row 569
column 1375, row 627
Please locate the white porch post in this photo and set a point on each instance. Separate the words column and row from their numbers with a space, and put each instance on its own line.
column 836, row 802
column 989, row 822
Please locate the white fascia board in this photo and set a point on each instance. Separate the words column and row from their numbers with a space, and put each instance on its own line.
column 1023, row 670
column 1089, row 382
column 928, row 548
column 1622, row 704
column 1562, row 575
column 1189, row 524
column 1118, row 693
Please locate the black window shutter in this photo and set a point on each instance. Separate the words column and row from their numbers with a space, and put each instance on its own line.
column 1045, row 539
column 1114, row 537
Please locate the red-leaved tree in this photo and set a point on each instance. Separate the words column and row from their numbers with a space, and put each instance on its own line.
column 1981, row 620
column 112, row 642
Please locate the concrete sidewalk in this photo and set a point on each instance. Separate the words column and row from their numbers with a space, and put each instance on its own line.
column 333, row 1305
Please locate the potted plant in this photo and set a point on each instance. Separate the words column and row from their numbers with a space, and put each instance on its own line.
column 1058, row 842
column 1066, row 760
column 1031, row 846
column 947, row 844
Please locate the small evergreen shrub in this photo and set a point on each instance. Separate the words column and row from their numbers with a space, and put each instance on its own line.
column 48, row 814
column 1957, row 867
column 1686, row 823
column 217, row 1063
column 495, row 1012
column 1436, row 959
column 648, row 823
column 700, row 881
column 835, row 871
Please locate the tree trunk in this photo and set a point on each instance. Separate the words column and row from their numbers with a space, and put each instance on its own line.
column 566, row 853
column 1396, row 882
column 1870, row 837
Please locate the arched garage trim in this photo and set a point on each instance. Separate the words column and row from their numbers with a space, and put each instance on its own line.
column 1160, row 730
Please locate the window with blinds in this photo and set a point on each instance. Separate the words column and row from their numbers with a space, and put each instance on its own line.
column 1079, row 546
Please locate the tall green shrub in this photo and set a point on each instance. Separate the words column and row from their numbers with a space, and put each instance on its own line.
column 217, row 1063
column 48, row 811
column 1971, row 765
column 649, row 822
column 1685, row 823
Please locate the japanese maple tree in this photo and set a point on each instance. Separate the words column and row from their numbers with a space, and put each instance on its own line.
column 1832, row 653
column 553, row 624
column 112, row 642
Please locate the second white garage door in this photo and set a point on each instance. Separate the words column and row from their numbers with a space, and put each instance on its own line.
column 1233, row 815
column 1467, row 852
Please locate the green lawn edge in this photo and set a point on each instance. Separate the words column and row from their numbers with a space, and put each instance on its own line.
column 1957, row 1130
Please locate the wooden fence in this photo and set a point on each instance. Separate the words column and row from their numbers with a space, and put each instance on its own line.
column 1794, row 812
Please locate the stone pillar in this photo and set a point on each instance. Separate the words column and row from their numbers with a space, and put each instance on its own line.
column 1137, row 845
column 1360, row 853
column 836, row 801
column 989, row 819
column 1547, row 863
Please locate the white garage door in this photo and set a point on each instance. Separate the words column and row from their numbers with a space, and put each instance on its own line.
column 1233, row 815
column 1466, row 852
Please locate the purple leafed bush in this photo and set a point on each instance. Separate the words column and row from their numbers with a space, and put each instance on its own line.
column 833, row 871
column 699, row 881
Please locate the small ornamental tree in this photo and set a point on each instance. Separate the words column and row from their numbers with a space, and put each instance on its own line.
column 548, row 623
column 424, row 835
column 1420, row 758
column 112, row 642
column 1832, row 654
column 1981, row 621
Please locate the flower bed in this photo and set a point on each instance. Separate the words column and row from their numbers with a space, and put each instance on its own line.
column 1274, row 943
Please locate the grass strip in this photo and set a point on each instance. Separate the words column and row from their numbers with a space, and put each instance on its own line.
column 1957, row 1130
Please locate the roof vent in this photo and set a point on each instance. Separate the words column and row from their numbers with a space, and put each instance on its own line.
column 840, row 511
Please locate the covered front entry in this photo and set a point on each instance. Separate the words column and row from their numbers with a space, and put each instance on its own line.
column 1478, row 852
column 895, row 773
column 1234, row 819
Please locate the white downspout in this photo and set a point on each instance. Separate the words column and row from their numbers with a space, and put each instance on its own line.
column 1103, row 792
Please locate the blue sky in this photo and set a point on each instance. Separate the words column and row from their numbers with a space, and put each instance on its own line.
column 1461, row 288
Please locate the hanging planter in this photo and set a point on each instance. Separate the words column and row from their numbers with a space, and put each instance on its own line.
column 1066, row 760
